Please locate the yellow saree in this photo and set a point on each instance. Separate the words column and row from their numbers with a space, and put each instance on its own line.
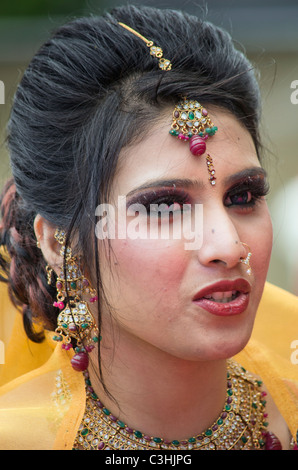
column 42, row 400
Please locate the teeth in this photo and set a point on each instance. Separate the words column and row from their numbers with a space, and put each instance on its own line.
column 222, row 297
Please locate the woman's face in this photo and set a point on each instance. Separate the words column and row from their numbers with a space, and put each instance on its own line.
column 157, row 284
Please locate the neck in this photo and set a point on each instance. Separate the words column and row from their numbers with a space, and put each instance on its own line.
column 159, row 394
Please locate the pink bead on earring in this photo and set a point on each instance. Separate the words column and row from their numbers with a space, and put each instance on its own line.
column 75, row 321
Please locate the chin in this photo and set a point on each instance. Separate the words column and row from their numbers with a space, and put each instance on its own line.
column 229, row 348
column 223, row 346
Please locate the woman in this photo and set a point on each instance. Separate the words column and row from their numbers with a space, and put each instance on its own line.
column 114, row 143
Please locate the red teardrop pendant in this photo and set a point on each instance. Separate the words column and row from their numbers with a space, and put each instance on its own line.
column 272, row 442
column 80, row 361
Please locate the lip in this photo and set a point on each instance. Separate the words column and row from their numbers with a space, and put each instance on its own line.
column 235, row 307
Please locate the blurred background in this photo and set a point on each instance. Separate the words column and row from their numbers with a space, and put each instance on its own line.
column 266, row 29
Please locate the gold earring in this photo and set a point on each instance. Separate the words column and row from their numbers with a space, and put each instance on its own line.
column 246, row 260
column 75, row 321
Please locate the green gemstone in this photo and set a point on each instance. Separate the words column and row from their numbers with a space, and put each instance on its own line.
column 64, row 325
column 57, row 338
column 261, row 442
column 265, row 424
column 263, row 402
column 208, row 130
column 95, row 339
column 158, row 440
column 230, row 392
column 94, row 396
column 260, row 383
column 138, row 434
column 244, row 439
column 192, row 439
column 191, row 115
column 84, row 432
column 174, row 132
column 121, row 424
column 227, row 407
column 175, row 443
column 84, row 325
column 208, row 432
column 73, row 285
column 254, row 405
column 106, row 411
column 219, row 421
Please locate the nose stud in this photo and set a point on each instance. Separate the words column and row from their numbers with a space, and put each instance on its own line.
column 246, row 260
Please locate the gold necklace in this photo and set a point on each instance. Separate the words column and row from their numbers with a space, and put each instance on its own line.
column 241, row 424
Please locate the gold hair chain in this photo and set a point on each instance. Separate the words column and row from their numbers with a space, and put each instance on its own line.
column 155, row 51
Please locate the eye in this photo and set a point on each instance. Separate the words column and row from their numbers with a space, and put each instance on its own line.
column 162, row 202
column 239, row 199
column 246, row 194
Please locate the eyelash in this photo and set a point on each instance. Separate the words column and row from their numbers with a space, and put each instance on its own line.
column 168, row 197
column 256, row 189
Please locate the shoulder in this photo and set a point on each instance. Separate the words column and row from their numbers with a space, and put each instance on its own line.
column 265, row 418
column 276, row 422
column 276, row 431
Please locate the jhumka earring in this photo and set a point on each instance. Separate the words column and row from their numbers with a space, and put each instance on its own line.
column 246, row 260
column 75, row 321
column 191, row 123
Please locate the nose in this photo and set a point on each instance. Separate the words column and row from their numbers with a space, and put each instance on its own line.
column 221, row 241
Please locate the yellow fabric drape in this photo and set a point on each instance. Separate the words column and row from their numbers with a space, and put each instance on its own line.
column 42, row 399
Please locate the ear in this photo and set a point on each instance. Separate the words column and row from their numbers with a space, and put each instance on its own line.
column 44, row 232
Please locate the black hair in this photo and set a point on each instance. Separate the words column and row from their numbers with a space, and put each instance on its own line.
column 92, row 89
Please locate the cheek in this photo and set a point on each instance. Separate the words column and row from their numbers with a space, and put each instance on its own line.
column 263, row 245
column 147, row 269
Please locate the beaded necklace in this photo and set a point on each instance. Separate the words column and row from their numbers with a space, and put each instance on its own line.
column 241, row 424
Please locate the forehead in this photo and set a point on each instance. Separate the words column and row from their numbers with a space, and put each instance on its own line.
column 161, row 156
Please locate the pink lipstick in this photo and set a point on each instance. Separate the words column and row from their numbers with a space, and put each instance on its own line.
column 224, row 298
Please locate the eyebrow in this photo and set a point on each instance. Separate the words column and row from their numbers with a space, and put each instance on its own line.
column 199, row 184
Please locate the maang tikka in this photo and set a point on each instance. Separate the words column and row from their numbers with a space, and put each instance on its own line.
column 191, row 123
column 75, row 321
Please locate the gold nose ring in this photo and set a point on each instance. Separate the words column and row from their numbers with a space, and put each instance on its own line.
column 246, row 260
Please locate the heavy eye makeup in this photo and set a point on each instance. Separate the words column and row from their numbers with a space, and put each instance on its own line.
column 246, row 194
column 164, row 199
column 243, row 194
